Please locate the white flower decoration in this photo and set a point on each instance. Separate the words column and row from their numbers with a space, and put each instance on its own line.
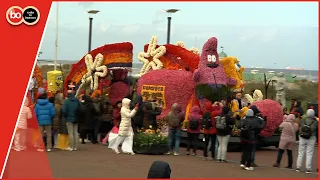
column 154, row 52
column 193, row 49
column 95, row 69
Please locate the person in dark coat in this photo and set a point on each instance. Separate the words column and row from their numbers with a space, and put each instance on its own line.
column 107, row 121
column 85, row 117
column 97, row 116
column 159, row 170
column 257, row 113
column 138, row 118
column 152, row 112
column 297, row 109
column 253, row 126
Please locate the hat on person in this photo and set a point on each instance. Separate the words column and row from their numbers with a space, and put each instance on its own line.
column 250, row 113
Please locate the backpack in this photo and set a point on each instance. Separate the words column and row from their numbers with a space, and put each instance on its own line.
column 194, row 124
column 306, row 130
column 246, row 132
column 206, row 123
column 174, row 121
column 221, row 122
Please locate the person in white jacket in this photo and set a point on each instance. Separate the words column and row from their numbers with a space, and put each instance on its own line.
column 21, row 132
column 125, row 134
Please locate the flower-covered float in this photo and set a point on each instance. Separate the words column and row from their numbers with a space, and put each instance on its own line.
column 150, row 141
column 103, row 67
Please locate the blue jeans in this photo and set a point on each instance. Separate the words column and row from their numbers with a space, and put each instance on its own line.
column 174, row 140
column 253, row 154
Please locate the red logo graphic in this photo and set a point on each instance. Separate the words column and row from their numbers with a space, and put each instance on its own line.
column 14, row 15
column 29, row 15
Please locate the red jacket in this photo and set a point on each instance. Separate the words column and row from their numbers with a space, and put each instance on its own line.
column 213, row 130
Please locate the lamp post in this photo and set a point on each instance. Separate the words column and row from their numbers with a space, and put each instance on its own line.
column 91, row 13
column 169, row 11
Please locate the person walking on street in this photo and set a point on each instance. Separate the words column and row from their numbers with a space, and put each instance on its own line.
column 249, row 126
column 307, row 140
column 174, row 118
column 224, row 125
column 45, row 113
column 69, row 111
column 97, row 115
column 194, row 126
column 256, row 113
column 21, row 133
column 287, row 140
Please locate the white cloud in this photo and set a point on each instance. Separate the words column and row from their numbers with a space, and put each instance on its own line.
column 105, row 27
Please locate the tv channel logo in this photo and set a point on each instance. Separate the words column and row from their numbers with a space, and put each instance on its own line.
column 29, row 15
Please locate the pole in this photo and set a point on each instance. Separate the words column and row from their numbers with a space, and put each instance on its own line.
column 168, row 31
column 56, row 42
column 90, row 33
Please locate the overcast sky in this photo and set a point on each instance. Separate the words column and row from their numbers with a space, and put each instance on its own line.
column 271, row 35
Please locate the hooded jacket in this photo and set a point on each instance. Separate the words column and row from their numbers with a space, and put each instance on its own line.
column 310, row 120
column 175, row 116
column 125, row 128
column 159, row 170
column 70, row 107
column 45, row 112
column 24, row 115
column 253, row 122
column 230, row 121
column 194, row 115
column 289, row 128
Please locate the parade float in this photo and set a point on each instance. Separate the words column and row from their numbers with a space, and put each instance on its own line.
column 106, row 69
column 175, row 74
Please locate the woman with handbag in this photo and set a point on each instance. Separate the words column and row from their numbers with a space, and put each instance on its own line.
column 287, row 140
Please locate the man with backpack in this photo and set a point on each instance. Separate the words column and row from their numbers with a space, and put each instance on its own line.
column 249, row 126
column 224, row 125
column 194, row 126
column 307, row 140
column 175, row 118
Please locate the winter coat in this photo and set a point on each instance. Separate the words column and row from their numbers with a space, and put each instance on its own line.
column 213, row 130
column 152, row 114
column 84, row 114
column 297, row 110
column 45, row 112
column 289, row 128
column 175, row 116
column 107, row 112
column 125, row 128
column 194, row 115
column 255, row 124
column 98, row 108
column 70, row 108
column 308, row 120
column 116, row 116
column 139, row 116
column 24, row 115
column 58, row 102
column 230, row 121
column 159, row 170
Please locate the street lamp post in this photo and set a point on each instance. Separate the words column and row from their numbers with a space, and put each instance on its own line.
column 91, row 13
column 169, row 11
